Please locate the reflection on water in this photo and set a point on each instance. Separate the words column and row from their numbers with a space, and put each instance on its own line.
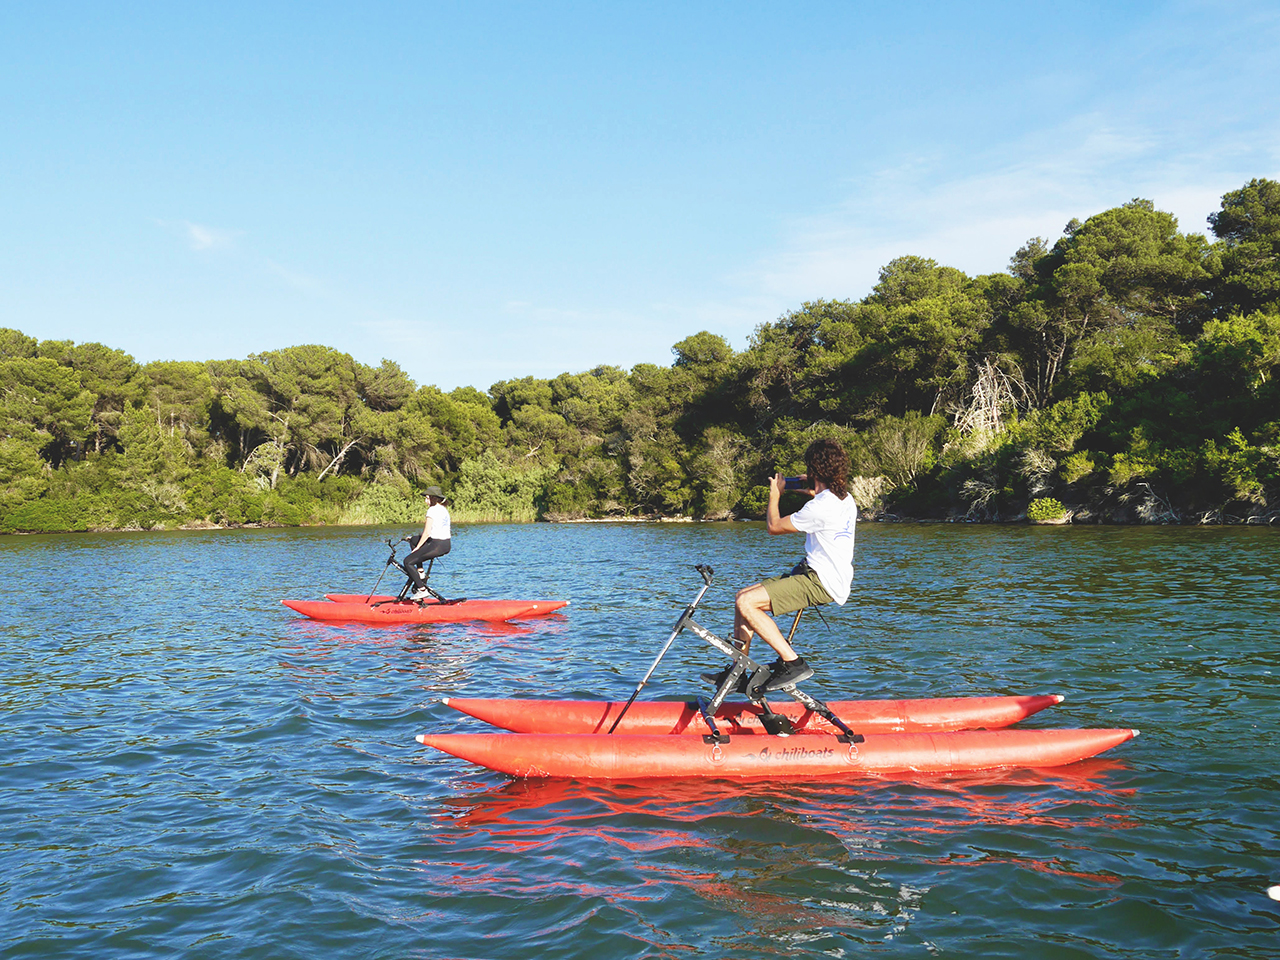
column 809, row 855
column 951, row 802
column 190, row 770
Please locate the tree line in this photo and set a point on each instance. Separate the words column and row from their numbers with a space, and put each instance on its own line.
column 1125, row 373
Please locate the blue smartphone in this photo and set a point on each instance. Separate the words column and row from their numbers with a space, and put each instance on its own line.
column 795, row 483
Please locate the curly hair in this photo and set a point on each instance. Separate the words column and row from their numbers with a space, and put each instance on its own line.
column 826, row 460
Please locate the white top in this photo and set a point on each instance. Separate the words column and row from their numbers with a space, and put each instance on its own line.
column 439, row 518
column 828, row 523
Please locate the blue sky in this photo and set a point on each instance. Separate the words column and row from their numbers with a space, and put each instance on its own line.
column 482, row 191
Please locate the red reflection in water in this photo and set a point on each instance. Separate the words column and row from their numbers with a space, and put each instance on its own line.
column 426, row 647
column 561, row 820
column 694, row 799
column 334, row 635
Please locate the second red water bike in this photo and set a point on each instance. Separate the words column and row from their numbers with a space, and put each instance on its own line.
column 401, row 608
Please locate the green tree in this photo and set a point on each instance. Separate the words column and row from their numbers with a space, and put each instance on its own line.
column 385, row 387
column 1124, row 281
column 719, row 472
column 298, row 406
column 772, row 373
column 182, row 394
column 653, row 452
column 902, row 447
column 510, row 395
column 23, row 476
column 44, row 403
column 1235, row 374
column 1061, row 427
column 707, row 354
column 154, row 462
column 116, row 382
column 905, row 347
column 15, row 345
column 1248, row 225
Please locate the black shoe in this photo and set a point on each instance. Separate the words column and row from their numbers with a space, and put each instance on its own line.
column 716, row 679
column 787, row 673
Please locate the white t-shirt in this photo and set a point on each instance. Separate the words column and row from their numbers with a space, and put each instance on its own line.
column 439, row 517
column 828, row 523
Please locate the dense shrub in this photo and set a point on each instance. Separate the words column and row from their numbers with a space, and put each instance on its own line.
column 1046, row 508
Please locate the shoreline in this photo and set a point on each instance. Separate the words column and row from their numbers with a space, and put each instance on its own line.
column 1266, row 520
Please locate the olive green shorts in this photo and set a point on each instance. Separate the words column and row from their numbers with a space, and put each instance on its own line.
column 794, row 591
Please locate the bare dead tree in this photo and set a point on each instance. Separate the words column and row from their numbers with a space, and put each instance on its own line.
column 995, row 395
column 336, row 463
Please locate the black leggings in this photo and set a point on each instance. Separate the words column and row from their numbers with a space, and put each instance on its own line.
column 427, row 549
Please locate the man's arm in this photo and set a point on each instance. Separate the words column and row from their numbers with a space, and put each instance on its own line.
column 773, row 521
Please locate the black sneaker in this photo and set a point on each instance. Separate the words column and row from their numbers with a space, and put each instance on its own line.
column 715, row 679
column 787, row 673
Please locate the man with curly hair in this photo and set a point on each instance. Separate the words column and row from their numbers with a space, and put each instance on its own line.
column 824, row 576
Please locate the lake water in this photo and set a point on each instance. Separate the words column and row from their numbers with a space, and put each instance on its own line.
column 189, row 770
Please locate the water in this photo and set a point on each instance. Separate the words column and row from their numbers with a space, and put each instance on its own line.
column 189, row 770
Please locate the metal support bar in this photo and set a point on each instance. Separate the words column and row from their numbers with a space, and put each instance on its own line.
column 743, row 665
column 820, row 708
column 795, row 623
column 685, row 618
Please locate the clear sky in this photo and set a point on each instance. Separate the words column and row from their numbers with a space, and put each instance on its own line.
column 482, row 191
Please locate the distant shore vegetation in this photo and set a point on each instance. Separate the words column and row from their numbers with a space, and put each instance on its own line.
column 1127, row 373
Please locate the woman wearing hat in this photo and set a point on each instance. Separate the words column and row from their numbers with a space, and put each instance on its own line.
column 433, row 543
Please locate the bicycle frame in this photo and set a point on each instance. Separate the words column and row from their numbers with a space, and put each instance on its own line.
column 743, row 665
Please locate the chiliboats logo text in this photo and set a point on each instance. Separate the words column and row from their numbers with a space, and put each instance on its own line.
column 792, row 754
